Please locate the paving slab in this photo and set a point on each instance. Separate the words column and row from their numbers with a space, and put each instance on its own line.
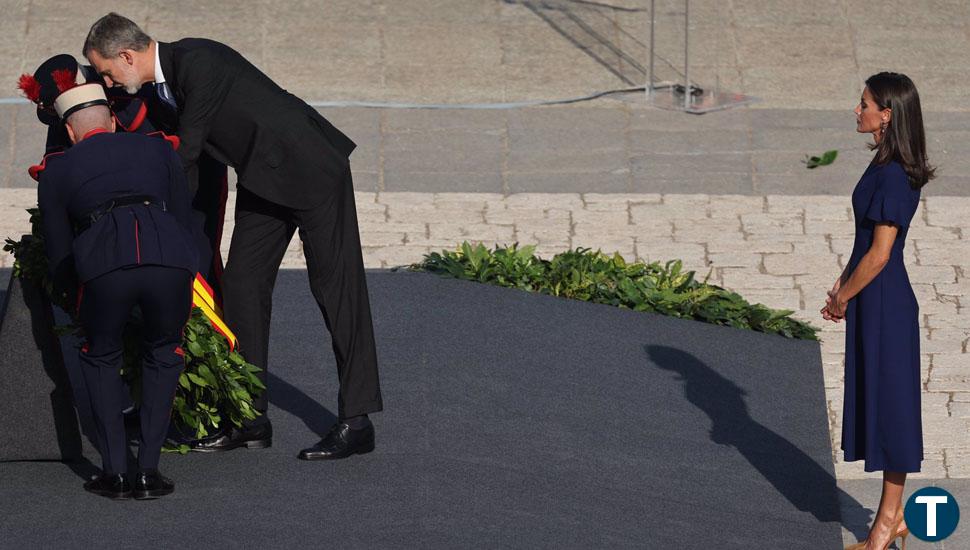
column 627, row 147
column 446, row 51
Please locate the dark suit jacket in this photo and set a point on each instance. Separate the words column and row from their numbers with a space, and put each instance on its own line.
column 282, row 149
column 108, row 166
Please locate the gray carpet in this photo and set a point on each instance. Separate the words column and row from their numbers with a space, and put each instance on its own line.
column 512, row 420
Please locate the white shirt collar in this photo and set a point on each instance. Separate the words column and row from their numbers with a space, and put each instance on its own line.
column 159, row 75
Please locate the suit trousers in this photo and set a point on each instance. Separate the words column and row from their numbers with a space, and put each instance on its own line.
column 335, row 266
column 164, row 295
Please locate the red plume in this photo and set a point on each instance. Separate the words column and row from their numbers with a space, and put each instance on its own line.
column 64, row 79
column 30, row 87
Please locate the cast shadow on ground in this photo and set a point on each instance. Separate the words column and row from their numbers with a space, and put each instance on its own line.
column 291, row 399
column 84, row 468
column 283, row 395
column 794, row 474
column 27, row 321
column 592, row 28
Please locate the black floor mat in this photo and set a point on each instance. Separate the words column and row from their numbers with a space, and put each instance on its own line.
column 512, row 420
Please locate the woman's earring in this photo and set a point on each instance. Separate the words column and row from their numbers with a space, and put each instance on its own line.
column 883, row 126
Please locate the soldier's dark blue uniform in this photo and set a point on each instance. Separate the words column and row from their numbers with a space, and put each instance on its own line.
column 116, row 208
column 131, row 115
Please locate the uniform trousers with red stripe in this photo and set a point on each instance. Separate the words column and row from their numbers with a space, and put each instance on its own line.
column 164, row 295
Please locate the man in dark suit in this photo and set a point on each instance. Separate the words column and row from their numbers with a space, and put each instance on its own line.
column 294, row 173
column 115, row 210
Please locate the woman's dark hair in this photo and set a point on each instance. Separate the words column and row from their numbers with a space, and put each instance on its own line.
column 904, row 140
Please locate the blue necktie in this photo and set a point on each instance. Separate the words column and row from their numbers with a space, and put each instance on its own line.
column 165, row 94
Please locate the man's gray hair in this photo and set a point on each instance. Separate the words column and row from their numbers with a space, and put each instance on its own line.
column 113, row 33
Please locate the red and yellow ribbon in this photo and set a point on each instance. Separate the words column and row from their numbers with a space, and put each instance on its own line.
column 204, row 298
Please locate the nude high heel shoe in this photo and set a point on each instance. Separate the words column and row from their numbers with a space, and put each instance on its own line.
column 897, row 533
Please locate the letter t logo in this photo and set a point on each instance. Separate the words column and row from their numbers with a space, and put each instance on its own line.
column 931, row 502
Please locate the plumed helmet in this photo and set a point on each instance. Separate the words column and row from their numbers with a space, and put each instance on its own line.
column 48, row 85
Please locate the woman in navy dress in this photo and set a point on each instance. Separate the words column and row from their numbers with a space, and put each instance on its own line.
column 881, row 418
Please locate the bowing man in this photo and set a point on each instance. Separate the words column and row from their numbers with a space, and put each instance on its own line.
column 294, row 173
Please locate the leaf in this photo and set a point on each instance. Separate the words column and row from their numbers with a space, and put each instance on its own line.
column 198, row 381
column 207, row 375
column 826, row 159
column 194, row 348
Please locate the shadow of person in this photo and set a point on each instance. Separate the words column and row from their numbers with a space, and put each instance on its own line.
column 43, row 425
column 83, row 468
column 593, row 28
column 291, row 399
column 794, row 474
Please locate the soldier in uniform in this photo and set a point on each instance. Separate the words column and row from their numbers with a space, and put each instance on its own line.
column 116, row 211
column 130, row 113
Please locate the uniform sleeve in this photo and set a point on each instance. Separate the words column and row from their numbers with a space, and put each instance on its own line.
column 57, row 230
column 894, row 201
column 179, row 201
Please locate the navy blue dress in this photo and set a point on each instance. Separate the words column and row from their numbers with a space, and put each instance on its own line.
column 881, row 417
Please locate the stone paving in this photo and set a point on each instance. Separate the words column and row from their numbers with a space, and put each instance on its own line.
column 792, row 53
column 607, row 146
column 725, row 192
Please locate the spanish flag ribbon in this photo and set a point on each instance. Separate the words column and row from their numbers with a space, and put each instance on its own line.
column 204, row 298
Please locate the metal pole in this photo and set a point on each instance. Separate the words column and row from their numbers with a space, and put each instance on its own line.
column 717, row 63
column 649, row 87
column 687, row 95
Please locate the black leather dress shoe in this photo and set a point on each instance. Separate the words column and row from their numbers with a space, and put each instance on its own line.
column 255, row 437
column 115, row 487
column 151, row 484
column 340, row 442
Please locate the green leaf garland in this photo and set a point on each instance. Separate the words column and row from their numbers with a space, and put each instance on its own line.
column 584, row 274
